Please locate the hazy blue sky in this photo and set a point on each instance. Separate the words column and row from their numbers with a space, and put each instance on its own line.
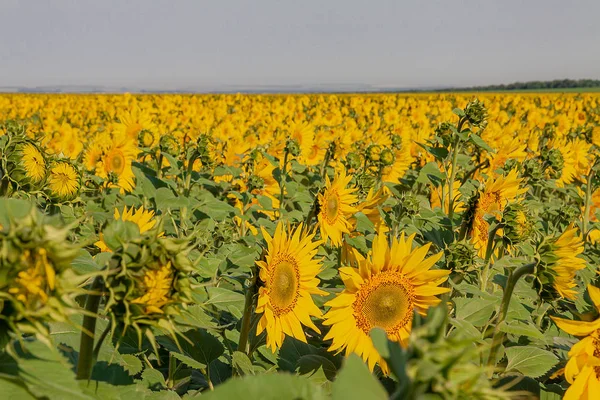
column 404, row 43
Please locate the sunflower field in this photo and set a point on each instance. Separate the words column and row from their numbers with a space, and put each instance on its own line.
column 355, row 246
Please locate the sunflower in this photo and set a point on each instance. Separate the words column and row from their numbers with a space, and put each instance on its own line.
column 144, row 219
column 63, row 181
column 389, row 284
column 138, row 125
column 335, row 208
column 33, row 162
column 156, row 287
column 493, row 199
column 370, row 206
column 32, row 285
column 583, row 368
column 289, row 276
column 116, row 163
column 563, row 262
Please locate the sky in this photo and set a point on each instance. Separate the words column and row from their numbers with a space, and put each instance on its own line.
column 409, row 44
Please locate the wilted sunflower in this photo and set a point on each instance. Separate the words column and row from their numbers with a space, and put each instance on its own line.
column 144, row 219
column 583, row 368
column 383, row 292
column 336, row 208
column 560, row 262
column 63, row 182
column 289, row 276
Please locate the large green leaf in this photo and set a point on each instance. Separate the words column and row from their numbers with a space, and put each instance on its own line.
column 530, row 361
column 281, row 386
column 355, row 381
column 47, row 373
column 197, row 351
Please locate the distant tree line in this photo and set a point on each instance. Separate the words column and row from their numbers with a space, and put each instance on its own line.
column 535, row 85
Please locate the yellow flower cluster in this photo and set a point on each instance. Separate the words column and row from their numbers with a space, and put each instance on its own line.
column 107, row 131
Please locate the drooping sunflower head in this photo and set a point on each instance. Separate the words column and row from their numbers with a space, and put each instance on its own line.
column 152, row 284
column 37, row 283
column 391, row 283
column 33, row 162
column 288, row 273
column 64, row 181
column 25, row 163
column 518, row 225
column 559, row 264
column 336, row 207
column 144, row 219
column 155, row 288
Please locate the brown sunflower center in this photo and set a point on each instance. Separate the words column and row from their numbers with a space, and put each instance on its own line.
column 332, row 207
column 284, row 286
column 116, row 162
column 386, row 302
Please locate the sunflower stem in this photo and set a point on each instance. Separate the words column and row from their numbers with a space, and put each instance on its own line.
column 282, row 177
column 455, row 151
column 498, row 336
column 247, row 317
column 172, row 370
column 588, row 199
column 88, row 334
column 159, row 162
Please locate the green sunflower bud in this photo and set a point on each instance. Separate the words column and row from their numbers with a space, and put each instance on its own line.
column 373, row 152
column 396, row 142
column 37, row 283
column 387, row 157
column 170, row 145
column 147, row 138
column 518, row 225
column 532, row 170
column 292, row 147
column 461, row 256
column 255, row 182
column 476, row 114
column 153, row 283
column 353, row 161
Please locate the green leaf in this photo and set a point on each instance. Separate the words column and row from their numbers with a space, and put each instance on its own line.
column 153, row 379
column 119, row 232
column 311, row 363
column 226, row 300
column 529, row 360
column 355, row 381
column 47, row 373
column 131, row 363
column 195, row 316
column 430, row 173
column 459, row 112
column 479, row 142
column 474, row 310
column 189, row 361
column 279, row 386
column 200, row 346
column 521, row 329
column 14, row 390
column 241, row 363
column 84, row 263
